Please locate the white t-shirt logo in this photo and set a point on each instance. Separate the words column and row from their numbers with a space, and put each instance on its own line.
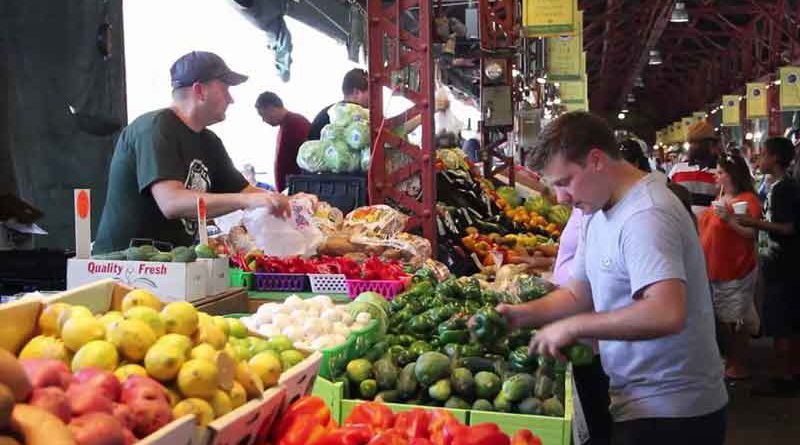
column 197, row 179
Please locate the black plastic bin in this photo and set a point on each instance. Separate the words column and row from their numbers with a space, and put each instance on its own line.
column 345, row 192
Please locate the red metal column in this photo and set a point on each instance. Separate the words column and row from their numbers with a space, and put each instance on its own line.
column 402, row 174
column 498, row 39
column 774, row 110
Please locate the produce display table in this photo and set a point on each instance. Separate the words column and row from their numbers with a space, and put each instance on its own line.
column 257, row 298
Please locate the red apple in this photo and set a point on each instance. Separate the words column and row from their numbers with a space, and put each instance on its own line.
column 149, row 415
column 97, row 429
column 124, row 414
column 100, row 379
column 138, row 387
column 47, row 372
column 85, row 399
column 130, row 439
column 54, row 400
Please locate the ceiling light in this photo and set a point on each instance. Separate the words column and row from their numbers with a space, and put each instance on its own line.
column 679, row 14
column 631, row 98
column 493, row 71
column 777, row 82
column 541, row 80
column 638, row 82
column 748, row 136
column 557, row 101
column 621, row 116
column 624, row 110
column 686, row 145
column 655, row 57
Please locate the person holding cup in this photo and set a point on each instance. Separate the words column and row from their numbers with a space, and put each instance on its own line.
column 730, row 250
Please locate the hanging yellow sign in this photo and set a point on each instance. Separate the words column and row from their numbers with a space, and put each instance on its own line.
column 686, row 122
column 699, row 116
column 564, row 58
column 730, row 110
column 576, row 106
column 572, row 91
column 790, row 88
column 756, row 100
column 549, row 17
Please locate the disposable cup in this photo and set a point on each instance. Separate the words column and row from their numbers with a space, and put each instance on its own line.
column 740, row 208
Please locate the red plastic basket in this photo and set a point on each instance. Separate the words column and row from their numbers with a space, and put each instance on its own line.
column 281, row 282
column 388, row 288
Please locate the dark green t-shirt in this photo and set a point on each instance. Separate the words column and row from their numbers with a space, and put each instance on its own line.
column 158, row 146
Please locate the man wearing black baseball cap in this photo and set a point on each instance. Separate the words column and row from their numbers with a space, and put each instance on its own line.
column 166, row 159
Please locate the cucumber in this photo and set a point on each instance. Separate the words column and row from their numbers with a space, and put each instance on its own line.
column 487, row 385
column 552, row 407
column 482, row 405
column 530, row 405
column 389, row 396
column 518, row 387
column 476, row 364
column 463, row 382
column 367, row 389
column 544, row 387
column 456, row 402
column 441, row 390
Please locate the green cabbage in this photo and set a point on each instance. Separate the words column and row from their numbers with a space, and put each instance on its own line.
column 509, row 194
column 311, row 156
column 338, row 158
column 343, row 113
column 331, row 132
column 559, row 215
column 537, row 204
column 365, row 158
column 356, row 135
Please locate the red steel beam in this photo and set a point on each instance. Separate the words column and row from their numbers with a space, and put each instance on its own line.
column 393, row 51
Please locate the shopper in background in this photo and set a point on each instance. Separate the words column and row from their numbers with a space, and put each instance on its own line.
column 730, row 250
column 632, row 152
column 166, row 159
column 639, row 286
column 292, row 132
column 355, row 89
column 697, row 173
column 781, row 312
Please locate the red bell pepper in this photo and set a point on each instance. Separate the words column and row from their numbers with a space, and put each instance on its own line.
column 302, row 431
column 347, row 435
column 373, row 414
column 413, row 424
column 307, row 411
column 419, row 441
column 443, row 428
column 525, row 437
column 389, row 437
column 481, row 434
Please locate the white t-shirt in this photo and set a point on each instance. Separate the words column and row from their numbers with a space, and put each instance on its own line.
column 645, row 238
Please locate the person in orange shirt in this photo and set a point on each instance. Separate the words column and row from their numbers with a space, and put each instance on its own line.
column 730, row 250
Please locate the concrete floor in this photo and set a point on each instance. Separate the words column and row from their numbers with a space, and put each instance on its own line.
column 761, row 420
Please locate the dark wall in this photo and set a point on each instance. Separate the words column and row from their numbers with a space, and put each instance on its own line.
column 49, row 60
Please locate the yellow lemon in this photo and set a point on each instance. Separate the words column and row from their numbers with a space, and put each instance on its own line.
column 110, row 317
column 132, row 337
column 249, row 380
column 43, row 346
column 72, row 312
column 211, row 334
column 181, row 342
column 163, row 361
column 149, row 316
column 79, row 330
column 180, row 318
column 267, row 365
column 48, row 319
column 221, row 403
column 140, row 297
column 201, row 409
column 198, row 378
column 204, row 351
column 236, row 328
column 220, row 322
column 96, row 354
column 237, row 395
column 125, row 371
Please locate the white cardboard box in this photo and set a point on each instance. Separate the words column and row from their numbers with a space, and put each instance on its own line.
column 170, row 281
column 218, row 275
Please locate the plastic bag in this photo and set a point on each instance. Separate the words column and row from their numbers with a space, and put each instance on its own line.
column 378, row 221
column 405, row 247
column 295, row 236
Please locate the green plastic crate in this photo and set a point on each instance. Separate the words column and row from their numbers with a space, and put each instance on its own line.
column 335, row 359
column 332, row 393
column 364, row 339
column 236, row 315
column 552, row 430
column 240, row 278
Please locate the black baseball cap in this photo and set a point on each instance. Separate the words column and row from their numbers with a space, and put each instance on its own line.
column 202, row 66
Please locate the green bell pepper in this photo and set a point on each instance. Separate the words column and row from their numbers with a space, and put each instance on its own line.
column 471, row 289
column 521, row 361
column 460, row 336
column 490, row 327
column 449, row 289
column 579, row 354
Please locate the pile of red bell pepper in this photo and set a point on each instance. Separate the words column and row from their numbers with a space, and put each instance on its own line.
column 308, row 422
column 372, row 269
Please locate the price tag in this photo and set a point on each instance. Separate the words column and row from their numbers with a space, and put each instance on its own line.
column 498, row 258
column 83, row 223
column 202, row 228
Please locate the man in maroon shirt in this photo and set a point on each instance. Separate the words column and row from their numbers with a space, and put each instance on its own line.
column 292, row 132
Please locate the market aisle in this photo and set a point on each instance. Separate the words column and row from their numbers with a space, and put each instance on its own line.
column 766, row 420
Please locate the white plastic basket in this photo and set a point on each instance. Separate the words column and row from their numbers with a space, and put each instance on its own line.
column 328, row 283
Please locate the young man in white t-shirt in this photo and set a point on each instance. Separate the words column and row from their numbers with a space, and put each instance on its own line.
column 638, row 285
